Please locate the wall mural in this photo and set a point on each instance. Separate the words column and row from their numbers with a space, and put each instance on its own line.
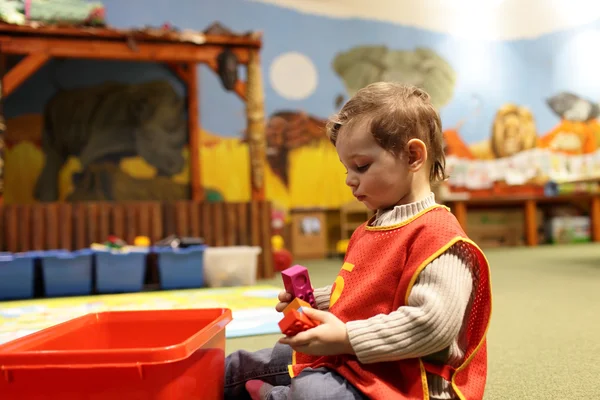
column 517, row 159
column 423, row 67
column 127, row 141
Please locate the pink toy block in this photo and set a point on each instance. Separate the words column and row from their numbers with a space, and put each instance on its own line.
column 297, row 282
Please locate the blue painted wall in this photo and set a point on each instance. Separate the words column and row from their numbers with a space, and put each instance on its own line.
column 525, row 72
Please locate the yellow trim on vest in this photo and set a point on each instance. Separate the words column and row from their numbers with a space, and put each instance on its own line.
column 414, row 279
column 291, row 366
column 348, row 266
column 424, row 380
column 403, row 223
column 483, row 337
column 427, row 261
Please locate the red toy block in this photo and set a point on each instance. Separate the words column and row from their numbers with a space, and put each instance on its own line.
column 297, row 282
column 296, row 305
column 295, row 322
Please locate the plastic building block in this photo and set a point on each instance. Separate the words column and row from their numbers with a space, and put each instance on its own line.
column 295, row 322
column 297, row 282
column 295, row 304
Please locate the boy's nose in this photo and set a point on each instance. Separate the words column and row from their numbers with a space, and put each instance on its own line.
column 351, row 180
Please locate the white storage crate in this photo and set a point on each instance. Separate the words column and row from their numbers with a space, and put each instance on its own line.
column 230, row 265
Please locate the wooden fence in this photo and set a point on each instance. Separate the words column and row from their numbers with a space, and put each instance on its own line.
column 46, row 226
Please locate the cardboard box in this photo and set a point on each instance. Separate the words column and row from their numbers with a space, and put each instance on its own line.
column 496, row 228
column 569, row 229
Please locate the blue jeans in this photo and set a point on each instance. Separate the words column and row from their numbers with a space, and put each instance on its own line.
column 271, row 366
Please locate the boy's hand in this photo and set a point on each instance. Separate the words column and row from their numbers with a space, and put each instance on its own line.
column 329, row 338
column 284, row 299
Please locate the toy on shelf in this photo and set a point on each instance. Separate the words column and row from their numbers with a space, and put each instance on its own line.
column 141, row 241
column 178, row 242
column 297, row 282
column 115, row 242
column 277, row 242
column 116, row 245
column 112, row 243
column 282, row 258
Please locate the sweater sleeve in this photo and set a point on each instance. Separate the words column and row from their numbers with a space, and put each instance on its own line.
column 428, row 323
column 322, row 297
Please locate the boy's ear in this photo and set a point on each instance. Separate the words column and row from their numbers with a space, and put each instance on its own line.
column 417, row 154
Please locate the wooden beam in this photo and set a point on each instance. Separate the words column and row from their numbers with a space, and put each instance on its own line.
column 240, row 89
column 240, row 86
column 2, row 145
column 89, row 33
column 531, row 234
column 180, row 71
column 116, row 50
column 194, row 133
column 255, row 113
column 595, row 218
column 23, row 70
column 460, row 212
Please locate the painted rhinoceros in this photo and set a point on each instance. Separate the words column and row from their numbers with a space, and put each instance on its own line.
column 104, row 123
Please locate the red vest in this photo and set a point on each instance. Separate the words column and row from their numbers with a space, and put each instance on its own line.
column 380, row 268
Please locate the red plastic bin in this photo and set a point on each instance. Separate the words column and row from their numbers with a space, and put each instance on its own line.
column 167, row 354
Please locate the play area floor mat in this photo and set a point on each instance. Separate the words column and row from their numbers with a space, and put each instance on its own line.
column 253, row 308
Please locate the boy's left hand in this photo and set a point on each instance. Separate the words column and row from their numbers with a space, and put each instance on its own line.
column 327, row 339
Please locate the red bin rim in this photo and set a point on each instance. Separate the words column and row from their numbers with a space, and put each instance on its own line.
column 14, row 354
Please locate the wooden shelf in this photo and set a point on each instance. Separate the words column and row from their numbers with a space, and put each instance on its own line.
column 529, row 204
column 352, row 215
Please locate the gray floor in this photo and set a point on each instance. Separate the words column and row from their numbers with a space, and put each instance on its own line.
column 544, row 339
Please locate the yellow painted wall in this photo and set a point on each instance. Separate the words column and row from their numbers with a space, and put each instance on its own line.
column 316, row 177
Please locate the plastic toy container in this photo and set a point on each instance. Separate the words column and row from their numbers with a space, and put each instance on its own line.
column 17, row 275
column 171, row 354
column 120, row 270
column 181, row 268
column 67, row 273
column 231, row 265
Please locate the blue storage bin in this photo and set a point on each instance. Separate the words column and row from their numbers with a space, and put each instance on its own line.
column 181, row 268
column 67, row 273
column 120, row 271
column 17, row 275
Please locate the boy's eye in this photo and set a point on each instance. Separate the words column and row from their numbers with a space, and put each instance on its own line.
column 363, row 168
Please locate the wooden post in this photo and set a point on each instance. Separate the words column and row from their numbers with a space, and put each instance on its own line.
column 595, row 217
column 2, row 125
column 460, row 212
column 194, row 132
column 531, row 235
column 255, row 112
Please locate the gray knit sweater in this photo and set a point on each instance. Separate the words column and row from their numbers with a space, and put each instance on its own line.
column 431, row 323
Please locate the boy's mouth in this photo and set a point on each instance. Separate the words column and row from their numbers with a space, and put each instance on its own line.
column 360, row 197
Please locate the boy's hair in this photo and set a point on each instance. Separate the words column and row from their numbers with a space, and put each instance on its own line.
column 396, row 114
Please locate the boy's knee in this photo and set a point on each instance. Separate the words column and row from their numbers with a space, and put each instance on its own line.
column 322, row 383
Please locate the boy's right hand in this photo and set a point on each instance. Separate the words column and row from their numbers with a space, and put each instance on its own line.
column 284, row 299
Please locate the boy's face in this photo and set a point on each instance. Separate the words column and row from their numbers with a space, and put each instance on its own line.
column 377, row 178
